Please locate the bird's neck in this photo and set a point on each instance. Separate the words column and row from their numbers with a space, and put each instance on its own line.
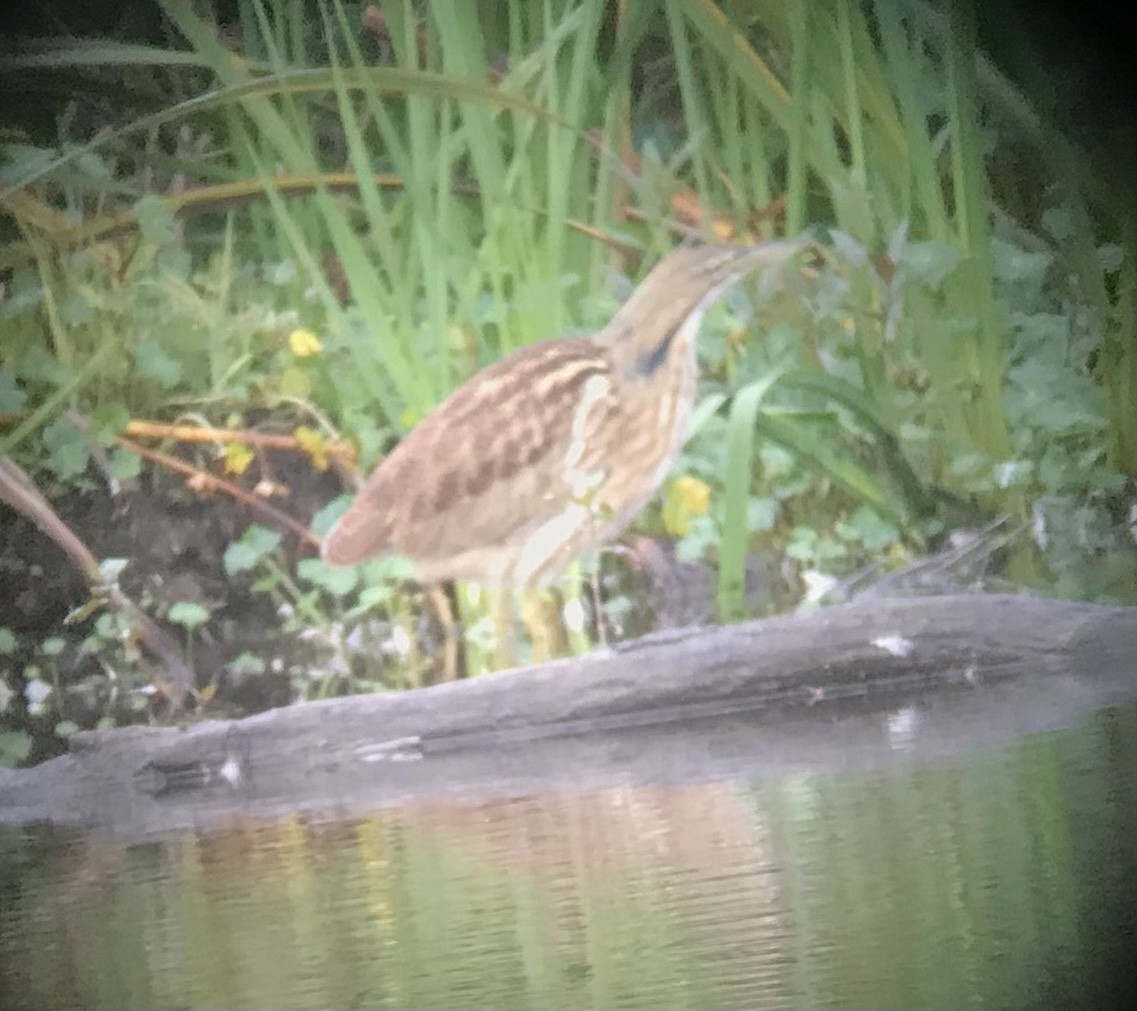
column 645, row 339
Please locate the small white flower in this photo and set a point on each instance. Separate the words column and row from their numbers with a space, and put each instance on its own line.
column 36, row 692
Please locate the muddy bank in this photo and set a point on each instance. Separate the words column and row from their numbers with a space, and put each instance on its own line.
column 173, row 542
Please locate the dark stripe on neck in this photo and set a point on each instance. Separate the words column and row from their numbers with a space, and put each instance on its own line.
column 652, row 360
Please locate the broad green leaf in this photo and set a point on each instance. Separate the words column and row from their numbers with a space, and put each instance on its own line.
column 187, row 613
column 154, row 362
column 256, row 542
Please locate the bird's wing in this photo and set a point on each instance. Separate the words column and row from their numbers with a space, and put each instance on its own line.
column 485, row 466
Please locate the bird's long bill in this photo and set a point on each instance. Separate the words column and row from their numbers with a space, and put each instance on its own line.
column 733, row 262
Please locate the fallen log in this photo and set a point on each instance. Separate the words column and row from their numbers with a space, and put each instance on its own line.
column 852, row 684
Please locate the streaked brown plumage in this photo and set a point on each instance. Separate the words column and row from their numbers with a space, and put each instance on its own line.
column 553, row 449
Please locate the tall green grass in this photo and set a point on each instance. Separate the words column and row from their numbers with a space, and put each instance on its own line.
column 478, row 216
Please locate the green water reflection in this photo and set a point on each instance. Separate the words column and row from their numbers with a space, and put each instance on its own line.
column 1005, row 879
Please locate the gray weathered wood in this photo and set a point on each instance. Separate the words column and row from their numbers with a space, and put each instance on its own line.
column 822, row 687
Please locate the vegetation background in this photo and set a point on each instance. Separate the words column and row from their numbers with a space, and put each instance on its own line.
column 245, row 246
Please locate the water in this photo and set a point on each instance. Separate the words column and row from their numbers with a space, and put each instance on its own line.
column 996, row 873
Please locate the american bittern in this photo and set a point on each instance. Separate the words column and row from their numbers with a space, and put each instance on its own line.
column 555, row 448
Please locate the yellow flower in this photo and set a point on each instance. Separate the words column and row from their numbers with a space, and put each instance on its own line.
column 304, row 343
column 238, row 456
column 314, row 444
column 687, row 496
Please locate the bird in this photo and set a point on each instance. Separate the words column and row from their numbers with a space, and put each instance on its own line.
column 552, row 450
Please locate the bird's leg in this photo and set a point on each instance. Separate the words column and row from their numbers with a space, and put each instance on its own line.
column 451, row 631
column 598, row 606
column 500, row 600
column 541, row 611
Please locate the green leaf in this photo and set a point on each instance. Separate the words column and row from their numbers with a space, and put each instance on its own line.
column 871, row 417
column 336, row 581
column 15, row 746
column 94, row 168
column 67, row 451
column 806, row 545
column 12, row 398
column 187, row 613
column 867, row 527
column 761, row 513
column 704, row 410
column 247, row 665
column 53, row 646
column 802, row 544
column 154, row 362
column 294, row 382
column 1013, row 264
column 8, row 641
column 702, row 535
column 175, row 261
column 930, row 263
column 838, row 467
column 389, row 568
column 125, row 463
column 375, row 596
column 156, row 221
column 37, row 366
column 24, row 293
column 77, row 309
column 853, row 204
column 108, row 422
column 255, row 544
column 736, row 496
column 324, row 518
column 1042, row 394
